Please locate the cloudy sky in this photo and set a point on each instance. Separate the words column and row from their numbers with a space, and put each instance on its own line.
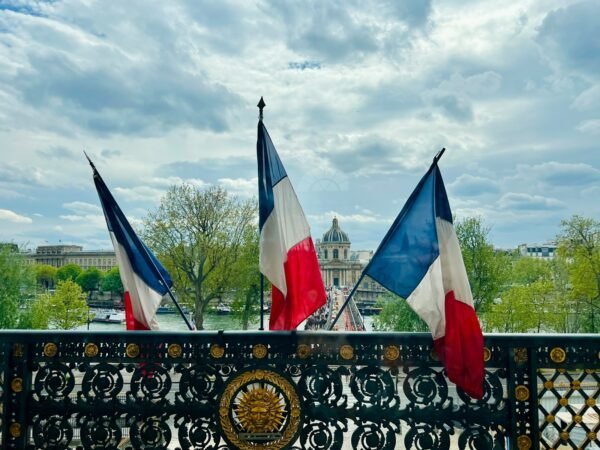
column 360, row 96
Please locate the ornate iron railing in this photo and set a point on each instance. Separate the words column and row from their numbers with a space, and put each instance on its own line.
column 305, row 390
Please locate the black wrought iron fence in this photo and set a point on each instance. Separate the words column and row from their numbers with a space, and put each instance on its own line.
column 305, row 390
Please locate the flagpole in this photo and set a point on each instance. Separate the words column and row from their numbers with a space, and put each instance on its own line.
column 436, row 158
column 148, row 258
column 362, row 275
column 261, row 105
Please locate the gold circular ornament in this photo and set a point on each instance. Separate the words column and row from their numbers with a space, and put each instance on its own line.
column 522, row 393
column 487, row 354
column 50, row 349
column 259, row 409
column 577, row 418
column 16, row 385
column 132, row 350
column 15, row 429
column 548, row 384
column 590, row 402
column 346, row 352
column 216, row 351
column 391, row 353
column 558, row 355
column 303, row 351
column 563, row 401
column 549, row 418
column 524, row 442
column 174, row 350
column 576, row 384
column 564, row 435
column 259, row 351
column 520, row 354
column 90, row 350
column 591, row 436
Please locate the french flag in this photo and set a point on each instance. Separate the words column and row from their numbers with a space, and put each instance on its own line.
column 420, row 260
column 141, row 273
column 287, row 255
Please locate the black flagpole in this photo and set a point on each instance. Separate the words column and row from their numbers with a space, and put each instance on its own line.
column 148, row 258
column 436, row 158
column 261, row 105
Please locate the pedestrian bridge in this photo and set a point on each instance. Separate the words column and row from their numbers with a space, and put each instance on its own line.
column 298, row 390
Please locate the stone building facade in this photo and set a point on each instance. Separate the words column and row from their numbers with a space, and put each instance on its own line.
column 342, row 267
column 61, row 255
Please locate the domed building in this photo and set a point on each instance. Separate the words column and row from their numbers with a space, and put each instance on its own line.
column 341, row 267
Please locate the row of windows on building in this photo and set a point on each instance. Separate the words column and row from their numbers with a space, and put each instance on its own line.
column 335, row 254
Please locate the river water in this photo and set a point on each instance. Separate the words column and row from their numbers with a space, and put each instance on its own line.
column 174, row 322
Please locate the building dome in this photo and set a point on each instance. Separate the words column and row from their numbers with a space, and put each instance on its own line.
column 335, row 234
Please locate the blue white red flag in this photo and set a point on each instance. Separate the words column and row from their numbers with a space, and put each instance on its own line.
column 287, row 255
column 141, row 272
column 420, row 260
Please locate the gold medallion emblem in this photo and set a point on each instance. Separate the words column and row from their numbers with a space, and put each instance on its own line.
column 132, row 350
column 15, row 429
column 487, row 354
column 216, row 351
column 524, row 442
column 90, row 350
column 522, row 393
column 17, row 385
column 391, row 353
column 303, row 351
column 174, row 350
column 259, row 351
column 346, row 351
column 259, row 409
column 520, row 355
column 50, row 349
column 558, row 355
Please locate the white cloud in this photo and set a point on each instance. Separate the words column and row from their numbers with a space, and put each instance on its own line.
column 521, row 201
column 360, row 96
column 11, row 216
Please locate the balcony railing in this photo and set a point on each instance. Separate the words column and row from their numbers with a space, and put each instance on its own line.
column 305, row 390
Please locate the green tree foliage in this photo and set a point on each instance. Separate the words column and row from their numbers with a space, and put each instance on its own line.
column 198, row 234
column 487, row 270
column 68, row 272
column 111, row 282
column 38, row 314
column 66, row 308
column 17, row 287
column 397, row 315
column 45, row 275
column 579, row 244
column 89, row 279
column 246, row 279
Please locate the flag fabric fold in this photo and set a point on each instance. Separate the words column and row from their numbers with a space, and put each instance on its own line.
column 287, row 254
column 141, row 273
column 420, row 260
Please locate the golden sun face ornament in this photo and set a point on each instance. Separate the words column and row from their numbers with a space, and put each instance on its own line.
column 259, row 409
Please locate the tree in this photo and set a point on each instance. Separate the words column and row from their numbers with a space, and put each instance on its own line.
column 66, row 308
column 17, row 286
column 111, row 282
column 397, row 315
column 68, row 272
column 45, row 275
column 579, row 244
column 89, row 279
column 198, row 235
column 246, row 280
column 487, row 270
